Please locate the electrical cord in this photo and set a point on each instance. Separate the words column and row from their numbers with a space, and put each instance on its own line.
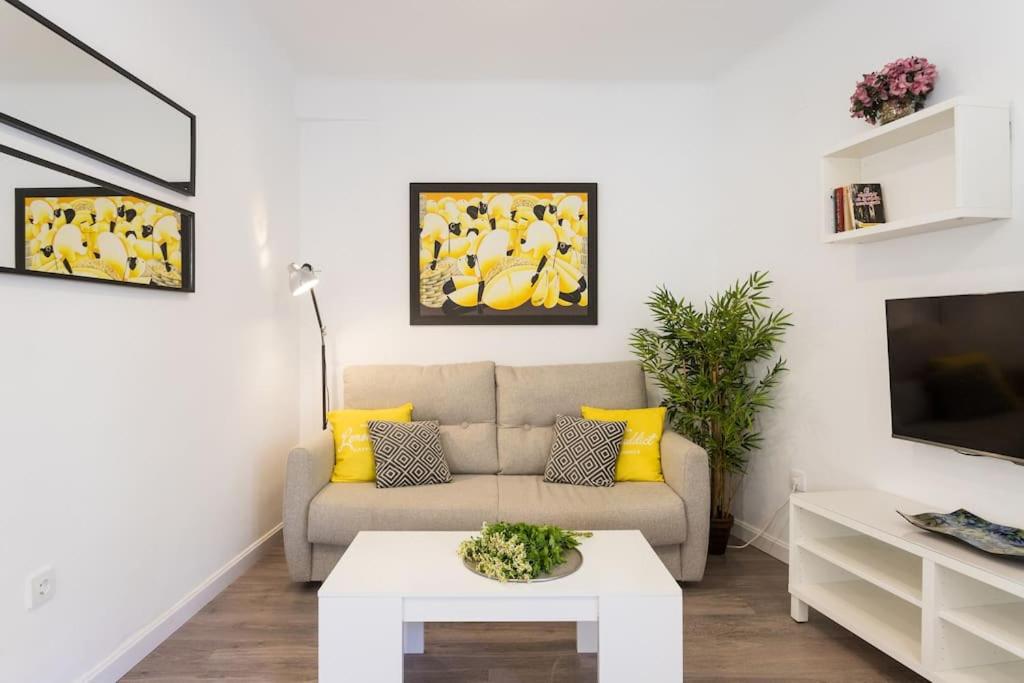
column 767, row 526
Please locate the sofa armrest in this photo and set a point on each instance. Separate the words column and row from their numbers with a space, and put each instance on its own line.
column 309, row 470
column 685, row 466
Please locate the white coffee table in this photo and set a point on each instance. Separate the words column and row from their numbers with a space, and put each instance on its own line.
column 626, row 605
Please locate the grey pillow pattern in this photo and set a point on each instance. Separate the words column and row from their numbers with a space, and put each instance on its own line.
column 408, row 454
column 584, row 452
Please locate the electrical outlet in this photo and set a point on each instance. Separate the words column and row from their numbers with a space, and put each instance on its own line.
column 41, row 587
column 797, row 480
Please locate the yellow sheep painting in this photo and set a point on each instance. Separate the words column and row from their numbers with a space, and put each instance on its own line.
column 102, row 237
column 503, row 254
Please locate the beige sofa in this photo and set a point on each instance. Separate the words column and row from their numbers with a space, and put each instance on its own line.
column 496, row 429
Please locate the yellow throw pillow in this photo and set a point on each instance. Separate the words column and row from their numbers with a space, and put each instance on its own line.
column 353, row 453
column 640, row 454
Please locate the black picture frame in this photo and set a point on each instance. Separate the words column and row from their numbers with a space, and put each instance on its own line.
column 186, row 187
column 95, row 187
column 417, row 315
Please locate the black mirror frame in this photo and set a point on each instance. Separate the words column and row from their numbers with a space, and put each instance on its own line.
column 187, row 187
column 188, row 270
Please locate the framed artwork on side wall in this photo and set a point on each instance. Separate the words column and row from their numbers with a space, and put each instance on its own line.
column 89, row 232
column 503, row 253
column 68, row 225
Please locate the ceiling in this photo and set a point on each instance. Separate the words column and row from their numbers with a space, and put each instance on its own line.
column 523, row 39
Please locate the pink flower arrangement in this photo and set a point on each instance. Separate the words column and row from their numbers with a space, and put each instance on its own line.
column 904, row 82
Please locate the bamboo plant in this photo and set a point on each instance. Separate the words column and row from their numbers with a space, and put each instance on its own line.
column 718, row 369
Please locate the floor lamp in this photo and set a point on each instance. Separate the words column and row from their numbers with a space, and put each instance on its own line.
column 302, row 279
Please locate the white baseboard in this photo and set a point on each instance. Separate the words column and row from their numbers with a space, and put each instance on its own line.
column 775, row 547
column 145, row 640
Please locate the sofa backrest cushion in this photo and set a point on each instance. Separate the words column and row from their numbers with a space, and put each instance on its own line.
column 529, row 398
column 459, row 396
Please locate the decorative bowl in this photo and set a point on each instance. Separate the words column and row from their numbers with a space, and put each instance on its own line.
column 966, row 526
column 573, row 561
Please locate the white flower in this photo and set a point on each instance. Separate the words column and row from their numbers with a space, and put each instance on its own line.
column 497, row 555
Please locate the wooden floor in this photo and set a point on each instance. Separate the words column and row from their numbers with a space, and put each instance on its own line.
column 737, row 628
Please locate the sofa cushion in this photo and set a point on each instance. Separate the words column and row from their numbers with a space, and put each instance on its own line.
column 584, row 452
column 459, row 396
column 340, row 511
column 353, row 452
column 529, row 398
column 639, row 459
column 651, row 507
column 408, row 454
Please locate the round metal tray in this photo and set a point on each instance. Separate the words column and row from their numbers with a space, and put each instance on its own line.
column 573, row 561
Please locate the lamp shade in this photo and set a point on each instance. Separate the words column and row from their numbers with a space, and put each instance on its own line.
column 301, row 279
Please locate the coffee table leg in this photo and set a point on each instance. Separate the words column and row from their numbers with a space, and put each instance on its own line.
column 412, row 637
column 640, row 639
column 586, row 636
column 360, row 639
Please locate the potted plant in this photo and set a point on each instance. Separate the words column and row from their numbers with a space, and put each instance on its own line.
column 718, row 369
column 898, row 89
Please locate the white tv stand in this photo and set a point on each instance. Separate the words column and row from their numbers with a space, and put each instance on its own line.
column 949, row 612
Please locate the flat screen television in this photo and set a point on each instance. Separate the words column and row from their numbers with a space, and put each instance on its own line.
column 956, row 372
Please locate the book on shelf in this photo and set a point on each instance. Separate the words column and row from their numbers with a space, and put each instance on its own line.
column 838, row 215
column 856, row 206
column 847, row 209
column 866, row 204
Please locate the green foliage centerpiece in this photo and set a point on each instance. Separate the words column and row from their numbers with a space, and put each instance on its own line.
column 518, row 552
column 718, row 370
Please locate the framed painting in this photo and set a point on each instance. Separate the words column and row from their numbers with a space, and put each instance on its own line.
column 87, row 232
column 503, row 253
column 66, row 224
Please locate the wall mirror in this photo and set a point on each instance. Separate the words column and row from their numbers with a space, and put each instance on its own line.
column 54, row 86
column 58, row 223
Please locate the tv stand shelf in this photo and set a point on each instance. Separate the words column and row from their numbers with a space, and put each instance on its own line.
column 948, row 612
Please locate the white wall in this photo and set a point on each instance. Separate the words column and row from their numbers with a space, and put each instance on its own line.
column 776, row 112
column 648, row 147
column 145, row 432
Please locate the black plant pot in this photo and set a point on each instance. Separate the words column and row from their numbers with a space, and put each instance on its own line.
column 718, row 539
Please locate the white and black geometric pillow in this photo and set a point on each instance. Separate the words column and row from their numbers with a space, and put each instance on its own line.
column 584, row 452
column 407, row 454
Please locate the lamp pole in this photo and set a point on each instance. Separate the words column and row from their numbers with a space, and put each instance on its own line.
column 323, row 357
column 302, row 279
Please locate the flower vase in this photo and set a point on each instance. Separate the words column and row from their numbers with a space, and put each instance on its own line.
column 892, row 110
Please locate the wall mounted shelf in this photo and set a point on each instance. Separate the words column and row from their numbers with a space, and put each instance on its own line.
column 945, row 166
